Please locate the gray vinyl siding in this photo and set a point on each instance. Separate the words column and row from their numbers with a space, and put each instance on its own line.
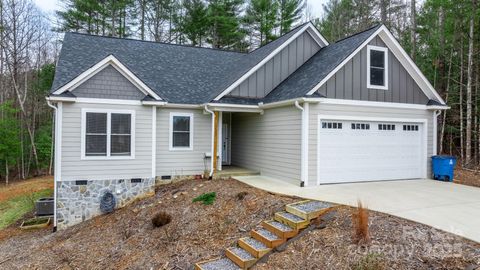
column 183, row 162
column 277, row 69
column 110, row 84
column 74, row 168
column 359, row 111
column 350, row 82
column 269, row 143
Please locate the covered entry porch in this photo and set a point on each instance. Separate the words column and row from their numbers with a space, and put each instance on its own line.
column 259, row 142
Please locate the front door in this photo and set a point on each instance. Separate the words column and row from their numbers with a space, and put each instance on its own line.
column 225, row 144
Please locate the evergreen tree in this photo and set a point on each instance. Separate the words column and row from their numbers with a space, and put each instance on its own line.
column 261, row 17
column 290, row 12
column 194, row 23
column 224, row 21
column 10, row 133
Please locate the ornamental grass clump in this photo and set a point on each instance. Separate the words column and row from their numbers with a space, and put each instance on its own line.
column 360, row 223
column 206, row 198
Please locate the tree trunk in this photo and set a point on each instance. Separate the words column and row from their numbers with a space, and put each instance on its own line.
column 383, row 11
column 468, row 137
column 441, row 55
column 460, row 98
column 6, row 172
column 413, row 37
column 444, row 119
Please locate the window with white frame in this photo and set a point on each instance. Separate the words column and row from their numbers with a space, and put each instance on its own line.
column 377, row 67
column 181, row 131
column 107, row 134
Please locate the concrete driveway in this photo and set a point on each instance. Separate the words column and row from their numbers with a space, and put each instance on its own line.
column 450, row 207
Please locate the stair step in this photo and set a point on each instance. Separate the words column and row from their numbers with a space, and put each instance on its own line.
column 253, row 246
column 240, row 257
column 217, row 264
column 266, row 237
column 308, row 209
column 291, row 220
column 280, row 229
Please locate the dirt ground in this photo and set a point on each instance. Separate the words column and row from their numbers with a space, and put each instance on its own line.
column 126, row 238
column 467, row 177
column 21, row 187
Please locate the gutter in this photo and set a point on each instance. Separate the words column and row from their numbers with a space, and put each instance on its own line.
column 213, row 139
column 55, row 176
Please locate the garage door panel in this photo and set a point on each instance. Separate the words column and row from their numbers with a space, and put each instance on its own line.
column 376, row 151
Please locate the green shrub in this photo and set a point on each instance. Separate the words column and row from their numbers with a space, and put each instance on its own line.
column 206, row 198
column 373, row 261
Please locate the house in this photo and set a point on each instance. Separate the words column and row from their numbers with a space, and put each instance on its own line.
column 297, row 109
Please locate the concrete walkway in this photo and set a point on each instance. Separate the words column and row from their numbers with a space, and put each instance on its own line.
column 450, row 207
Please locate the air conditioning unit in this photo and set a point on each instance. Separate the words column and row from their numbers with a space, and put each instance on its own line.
column 44, row 206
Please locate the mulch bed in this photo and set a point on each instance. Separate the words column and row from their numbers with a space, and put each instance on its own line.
column 467, row 177
column 126, row 239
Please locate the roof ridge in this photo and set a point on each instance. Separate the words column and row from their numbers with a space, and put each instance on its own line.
column 368, row 29
column 156, row 42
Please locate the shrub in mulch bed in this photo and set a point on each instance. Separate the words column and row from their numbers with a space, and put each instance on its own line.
column 241, row 195
column 206, row 198
column 161, row 219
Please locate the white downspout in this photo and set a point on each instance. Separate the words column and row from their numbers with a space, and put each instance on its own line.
column 55, row 175
column 435, row 131
column 304, row 142
column 213, row 139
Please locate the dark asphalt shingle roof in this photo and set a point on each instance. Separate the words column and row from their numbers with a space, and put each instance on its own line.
column 178, row 74
column 318, row 67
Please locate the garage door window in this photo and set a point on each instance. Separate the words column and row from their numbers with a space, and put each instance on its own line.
column 386, row 127
column 410, row 127
column 360, row 126
column 332, row 125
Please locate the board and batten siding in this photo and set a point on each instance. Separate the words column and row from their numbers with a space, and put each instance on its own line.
column 277, row 69
column 74, row 168
column 108, row 83
column 268, row 143
column 350, row 82
column 183, row 162
column 359, row 111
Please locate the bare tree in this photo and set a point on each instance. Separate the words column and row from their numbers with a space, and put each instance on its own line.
column 468, row 136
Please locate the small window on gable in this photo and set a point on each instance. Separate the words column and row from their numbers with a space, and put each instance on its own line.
column 181, row 127
column 377, row 67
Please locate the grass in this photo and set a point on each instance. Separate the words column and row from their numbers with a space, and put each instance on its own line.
column 14, row 208
column 361, row 227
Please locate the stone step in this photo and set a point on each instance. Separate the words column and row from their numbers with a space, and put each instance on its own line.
column 268, row 238
column 291, row 220
column 280, row 229
column 240, row 257
column 253, row 246
column 308, row 209
column 217, row 264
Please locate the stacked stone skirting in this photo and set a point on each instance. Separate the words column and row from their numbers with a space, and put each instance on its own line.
column 77, row 203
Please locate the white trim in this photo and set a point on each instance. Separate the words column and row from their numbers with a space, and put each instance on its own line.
column 109, row 113
column 232, row 105
column 266, row 59
column 220, row 141
column 370, row 103
column 401, row 55
column 424, row 123
column 435, row 130
column 385, row 63
column 154, row 141
column 108, row 101
column 113, row 61
column 316, row 34
column 58, row 139
column 170, row 132
column 60, row 99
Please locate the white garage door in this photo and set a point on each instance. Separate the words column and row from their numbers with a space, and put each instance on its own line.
column 355, row 151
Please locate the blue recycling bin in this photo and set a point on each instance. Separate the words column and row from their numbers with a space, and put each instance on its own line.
column 442, row 167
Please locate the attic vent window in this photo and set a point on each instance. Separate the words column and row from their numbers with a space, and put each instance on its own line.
column 377, row 67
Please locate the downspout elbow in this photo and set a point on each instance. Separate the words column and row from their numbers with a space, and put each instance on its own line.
column 213, row 140
column 297, row 104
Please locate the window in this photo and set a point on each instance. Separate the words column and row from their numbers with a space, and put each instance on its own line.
column 360, row 126
column 107, row 134
column 386, row 127
column 330, row 125
column 410, row 127
column 181, row 131
column 377, row 67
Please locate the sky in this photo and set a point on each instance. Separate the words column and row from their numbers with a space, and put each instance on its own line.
column 49, row 6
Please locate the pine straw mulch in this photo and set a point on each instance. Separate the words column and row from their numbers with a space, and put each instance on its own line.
column 467, row 177
column 126, row 238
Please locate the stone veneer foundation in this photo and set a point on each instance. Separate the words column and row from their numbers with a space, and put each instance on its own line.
column 77, row 202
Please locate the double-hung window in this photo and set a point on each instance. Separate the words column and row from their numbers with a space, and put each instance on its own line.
column 181, row 131
column 377, row 67
column 107, row 134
